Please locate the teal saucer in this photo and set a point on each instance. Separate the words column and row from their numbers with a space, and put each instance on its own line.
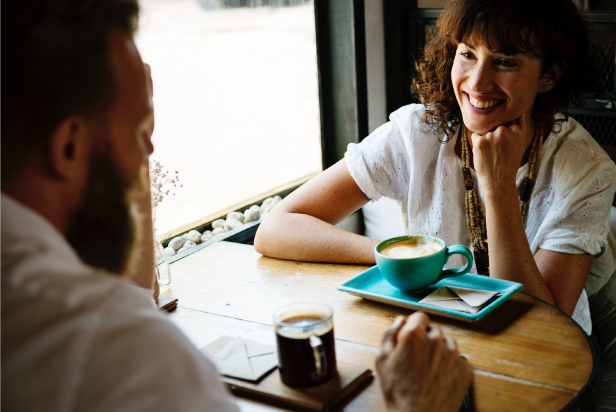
column 371, row 285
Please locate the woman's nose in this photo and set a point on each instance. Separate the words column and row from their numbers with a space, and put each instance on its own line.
column 481, row 77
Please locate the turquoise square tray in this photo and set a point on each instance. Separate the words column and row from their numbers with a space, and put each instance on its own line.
column 371, row 285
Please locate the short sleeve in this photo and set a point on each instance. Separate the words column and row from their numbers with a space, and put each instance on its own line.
column 578, row 220
column 380, row 163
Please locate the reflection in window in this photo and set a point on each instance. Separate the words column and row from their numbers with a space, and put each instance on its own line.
column 236, row 100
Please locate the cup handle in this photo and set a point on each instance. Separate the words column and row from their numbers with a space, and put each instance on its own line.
column 320, row 360
column 457, row 250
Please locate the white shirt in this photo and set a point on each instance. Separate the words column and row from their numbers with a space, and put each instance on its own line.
column 568, row 208
column 78, row 339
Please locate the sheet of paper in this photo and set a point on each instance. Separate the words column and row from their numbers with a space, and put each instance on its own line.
column 473, row 297
column 441, row 293
column 245, row 359
column 459, row 299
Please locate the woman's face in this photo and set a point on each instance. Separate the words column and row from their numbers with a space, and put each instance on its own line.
column 492, row 88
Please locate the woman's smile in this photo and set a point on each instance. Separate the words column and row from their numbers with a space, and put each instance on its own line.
column 492, row 88
column 482, row 104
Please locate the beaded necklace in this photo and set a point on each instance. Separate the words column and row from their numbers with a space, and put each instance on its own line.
column 475, row 214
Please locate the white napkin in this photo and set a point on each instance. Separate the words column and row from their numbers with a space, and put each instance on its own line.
column 459, row 299
column 245, row 359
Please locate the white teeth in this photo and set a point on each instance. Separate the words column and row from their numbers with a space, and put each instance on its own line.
column 481, row 105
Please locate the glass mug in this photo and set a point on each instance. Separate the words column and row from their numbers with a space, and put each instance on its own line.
column 305, row 340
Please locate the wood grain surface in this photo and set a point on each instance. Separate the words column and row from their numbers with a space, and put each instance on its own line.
column 526, row 355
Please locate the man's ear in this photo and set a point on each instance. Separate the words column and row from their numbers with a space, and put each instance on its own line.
column 551, row 76
column 69, row 148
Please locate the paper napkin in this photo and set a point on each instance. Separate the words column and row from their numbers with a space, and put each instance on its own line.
column 245, row 359
column 459, row 299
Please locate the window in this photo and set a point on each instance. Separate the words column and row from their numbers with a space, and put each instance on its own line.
column 236, row 101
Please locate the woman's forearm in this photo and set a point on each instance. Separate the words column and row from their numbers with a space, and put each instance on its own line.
column 301, row 227
column 302, row 237
column 510, row 254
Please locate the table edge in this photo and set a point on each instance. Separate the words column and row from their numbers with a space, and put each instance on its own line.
column 595, row 356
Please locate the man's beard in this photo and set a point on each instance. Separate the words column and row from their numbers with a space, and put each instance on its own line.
column 102, row 230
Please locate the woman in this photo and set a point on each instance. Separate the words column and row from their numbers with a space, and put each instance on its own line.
column 487, row 155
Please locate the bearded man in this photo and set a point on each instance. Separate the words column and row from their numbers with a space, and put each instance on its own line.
column 76, row 125
column 76, row 333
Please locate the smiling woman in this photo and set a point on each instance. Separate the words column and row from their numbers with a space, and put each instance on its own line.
column 490, row 154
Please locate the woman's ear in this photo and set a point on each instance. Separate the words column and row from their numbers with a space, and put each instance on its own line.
column 69, row 148
column 551, row 76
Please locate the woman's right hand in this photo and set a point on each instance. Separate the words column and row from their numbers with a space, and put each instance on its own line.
column 497, row 155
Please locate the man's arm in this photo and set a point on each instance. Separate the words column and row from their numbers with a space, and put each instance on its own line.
column 140, row 269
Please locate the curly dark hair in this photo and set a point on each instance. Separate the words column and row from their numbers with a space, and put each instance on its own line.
column 55, row 64
column 552, row 30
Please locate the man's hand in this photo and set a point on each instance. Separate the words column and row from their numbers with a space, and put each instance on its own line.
column 420, row 369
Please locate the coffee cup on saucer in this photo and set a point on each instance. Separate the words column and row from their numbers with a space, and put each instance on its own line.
column 412, row 263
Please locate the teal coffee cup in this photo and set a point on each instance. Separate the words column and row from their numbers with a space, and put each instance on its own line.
column 412, row 263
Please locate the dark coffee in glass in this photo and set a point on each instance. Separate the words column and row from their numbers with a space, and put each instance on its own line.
column 306, row 348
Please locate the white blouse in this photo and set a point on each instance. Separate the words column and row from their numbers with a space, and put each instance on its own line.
column 568, row 208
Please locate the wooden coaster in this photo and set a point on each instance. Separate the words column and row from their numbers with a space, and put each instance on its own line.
column 351, row 379
column 167, row 303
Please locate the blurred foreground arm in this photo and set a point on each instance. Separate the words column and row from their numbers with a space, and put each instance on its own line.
column 301, row 227
column 421, row 370
column 140, row 268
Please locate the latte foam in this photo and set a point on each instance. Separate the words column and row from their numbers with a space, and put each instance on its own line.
column 409, row 249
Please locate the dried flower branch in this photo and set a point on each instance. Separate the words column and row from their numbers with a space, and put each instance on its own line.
column 162, row 184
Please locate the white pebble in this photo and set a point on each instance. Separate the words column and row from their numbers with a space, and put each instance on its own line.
column 218, row 223
column 272, row 204
column 236, row 215
column 194, row 236
column 207, row 233
column 251, row 214
column 188, row 245
column 255, row 207
column 218, row 231
column 232, row 224
column 177, row 243
column 169, row 251
column 266, row 202
column 205, row 238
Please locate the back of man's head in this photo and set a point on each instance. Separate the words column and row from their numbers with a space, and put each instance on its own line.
column 56, row 65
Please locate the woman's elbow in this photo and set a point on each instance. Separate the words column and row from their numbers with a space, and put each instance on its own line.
column 260, row 242
column 264, row 238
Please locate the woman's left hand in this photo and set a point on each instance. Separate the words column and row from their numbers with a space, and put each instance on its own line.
column 498, row 154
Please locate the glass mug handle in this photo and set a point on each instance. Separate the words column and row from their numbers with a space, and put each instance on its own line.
column 319, row 357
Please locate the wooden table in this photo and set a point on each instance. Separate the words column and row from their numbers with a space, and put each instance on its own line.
column 527, row 356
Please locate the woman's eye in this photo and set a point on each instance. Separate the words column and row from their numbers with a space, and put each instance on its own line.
column 466, row 55
column 506, row 63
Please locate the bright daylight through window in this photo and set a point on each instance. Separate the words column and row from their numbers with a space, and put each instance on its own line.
column 236, row 101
